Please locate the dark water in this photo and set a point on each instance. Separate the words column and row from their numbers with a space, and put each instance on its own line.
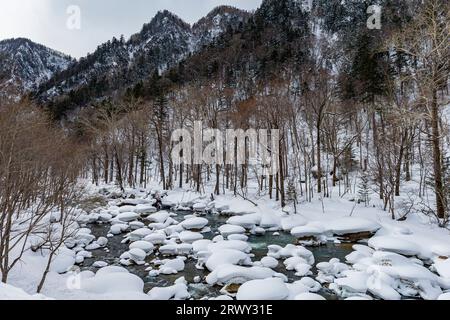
column 259, row 249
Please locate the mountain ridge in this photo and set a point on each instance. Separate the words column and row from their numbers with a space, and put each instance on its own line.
column 25, row 64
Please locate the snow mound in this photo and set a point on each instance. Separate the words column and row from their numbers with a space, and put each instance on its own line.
column 194, row 223
column 127, row 216
column 290, row 222
column 310, row 230
column 349, row 225
column 394, row 244
column 247, row 221
column 171, row 266
column 225, row 274
column 113, row 280
column 264, row 289
column 230, row 244
column 308, row 296
column 8, row 292
column 158, row 217
column 229, row 229
column 178, row 291
column 146, row 246
column 227, row 256
column 190, row 237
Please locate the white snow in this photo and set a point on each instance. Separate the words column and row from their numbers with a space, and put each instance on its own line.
column 127, row 216
column 194, row 223
column 264, row 289
column 190, row 237
column 227, row 273
column 309, row 230
column 229, row 229
column 348, row 225
column 230, row 244
column 227, row 256
column 64, row 260
column 8, row 292
column 158, row 217
column 137, row 255
column 308, row 296
column 114, row 283
column 176, row 292
column 290, row 222
column 247, row 221
column 269, row 262
column 443, row 267
column 146, row 246
column 171, row 266
column 394, row 244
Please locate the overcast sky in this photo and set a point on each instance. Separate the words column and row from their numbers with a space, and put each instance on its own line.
column 45, row 21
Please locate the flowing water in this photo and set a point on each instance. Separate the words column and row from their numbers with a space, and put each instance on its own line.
column 259, row 249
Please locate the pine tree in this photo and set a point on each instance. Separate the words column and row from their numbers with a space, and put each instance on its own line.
column 364, row 190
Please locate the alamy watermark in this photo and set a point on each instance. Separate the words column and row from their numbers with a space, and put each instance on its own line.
column 257, row 148
column 374, row 20
column 73, row 21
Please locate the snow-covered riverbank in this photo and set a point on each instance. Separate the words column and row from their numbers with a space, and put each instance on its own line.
column 228, row 247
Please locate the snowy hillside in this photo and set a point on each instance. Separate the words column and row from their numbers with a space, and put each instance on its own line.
column 161, row 44
column 24, row 65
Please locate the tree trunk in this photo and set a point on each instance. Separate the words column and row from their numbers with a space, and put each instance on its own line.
column 437, row 159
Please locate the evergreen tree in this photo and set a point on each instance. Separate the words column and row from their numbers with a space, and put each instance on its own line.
column 364, row 190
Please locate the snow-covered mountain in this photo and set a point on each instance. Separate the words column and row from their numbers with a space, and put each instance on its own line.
column 24, row 65
column 118, row 64
column 209, row 28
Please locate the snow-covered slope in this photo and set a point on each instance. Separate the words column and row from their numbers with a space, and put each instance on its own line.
column 161, row 44
column 209, row 28
column 24, row 65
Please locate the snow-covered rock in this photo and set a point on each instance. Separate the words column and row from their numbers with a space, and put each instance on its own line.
column 100, row 264
column 144, row 209
column 229, row 229
column 443, row 267
column 291, row 250
column 227, row 273
column 190, row 237
column 394, row 244
column 263, row 289
column 240, row 237
column 137, row 255
column 117, row 229
column 230, row 244
column 171, row 266
column 117, row 282
column 349, row 225
column 247, row 221
column 444, row 296
column 176, row 292
column 309, row 296
column 156, row 238
column 64, row 261
column 127, row 216
column 194, row 223
column 269, row 262
column 146, row 246
column 309, row 230
column 227, row 256
column 158, row 217
column 139, row 234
